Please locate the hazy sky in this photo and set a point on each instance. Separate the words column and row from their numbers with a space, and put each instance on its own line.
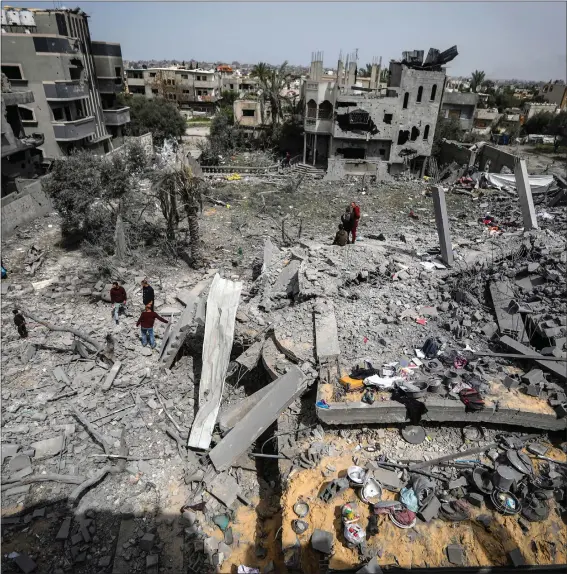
column 525, row 40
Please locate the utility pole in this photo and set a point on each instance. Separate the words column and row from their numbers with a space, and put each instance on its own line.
column 356, row 54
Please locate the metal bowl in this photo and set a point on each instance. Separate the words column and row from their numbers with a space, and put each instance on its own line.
column 356, row 475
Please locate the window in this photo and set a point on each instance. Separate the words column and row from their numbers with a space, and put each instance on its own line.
column 118, row 71
column 426, row 133
column 155, row 92
column 232, row 86
column 185, row 91
column 58, row 115
column 13, row 72
column 414, row 134
column 403, row 137
column 419, row 94
column 311, row 109
column 382, row 151
column 388, row 118
column 152, row 74
column 26, row 114
column 406, row 100
column 75, row 73
column 184, row 76
column 433, row 92
column 199, row 93
column 352, row 152
column 325, row 110
column 249, row 113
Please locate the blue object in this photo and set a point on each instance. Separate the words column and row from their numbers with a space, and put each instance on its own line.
column 4, row 273
column 322, row 404
column 408, row 497
column 148, row 333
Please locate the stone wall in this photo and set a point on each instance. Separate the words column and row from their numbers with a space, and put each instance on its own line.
column 29, row 203
column 339, row 168
column 453, row 151
column 498, row 159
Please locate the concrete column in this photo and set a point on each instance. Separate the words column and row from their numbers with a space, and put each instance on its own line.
column 304, row 147
column 315, row 149
column 442, row 222
column 525, row 194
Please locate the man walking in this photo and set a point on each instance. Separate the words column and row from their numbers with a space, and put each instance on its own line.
column 20, row 322
column 147, row 294
column 118, row 298
column 355, row 219
column 146, row 322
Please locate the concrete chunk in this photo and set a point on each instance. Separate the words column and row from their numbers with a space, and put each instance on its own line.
column 455, row 554
column 258, row 419
column 322, row 541
column 48, row 447
column 111, row 375
column 64, row 529
column 326, row 336
column 25, row 563
column 147, row 541
column 516, row 557
column 431, row 511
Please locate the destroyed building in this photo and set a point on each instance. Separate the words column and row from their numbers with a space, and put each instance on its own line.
column 353, row 130
column 74, row 80
column 460, row 106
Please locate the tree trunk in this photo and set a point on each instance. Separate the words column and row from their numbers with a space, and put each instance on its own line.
column 120, row 247
column 194, row 233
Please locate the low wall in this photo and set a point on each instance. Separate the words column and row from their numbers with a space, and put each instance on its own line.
column 498, row 159
column 454, row 152
column 24, row 206
column 338, row 169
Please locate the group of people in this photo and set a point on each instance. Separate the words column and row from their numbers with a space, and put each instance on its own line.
column 119, row 299
column 348, row 226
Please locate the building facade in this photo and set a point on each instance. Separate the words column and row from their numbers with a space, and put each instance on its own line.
column 355, row 130
column 73, row 79
column 530, row 109
column 460, row 106
column 555, row 93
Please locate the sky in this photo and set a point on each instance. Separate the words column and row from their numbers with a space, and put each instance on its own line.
column 523, row 40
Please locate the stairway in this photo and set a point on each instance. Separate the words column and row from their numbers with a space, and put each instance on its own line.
column 308, row 170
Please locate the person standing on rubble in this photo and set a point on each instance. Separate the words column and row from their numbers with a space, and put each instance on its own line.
column 355, row 219
column 346, row 219
column 118, row 298
column 147, row 294
column 20, row 322
column 146, row 323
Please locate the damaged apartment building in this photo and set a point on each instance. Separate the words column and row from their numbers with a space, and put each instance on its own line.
column 351, row 129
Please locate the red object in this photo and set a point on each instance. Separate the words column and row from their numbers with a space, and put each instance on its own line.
column 118, row 295
column 421, row 321
column 365, row 339
column 148, row 318
column 413, row 215
column 356, row 211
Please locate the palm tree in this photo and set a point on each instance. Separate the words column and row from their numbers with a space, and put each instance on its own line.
column 272, row 81
column 191, row 195
column 476, row 79
column 365, row 72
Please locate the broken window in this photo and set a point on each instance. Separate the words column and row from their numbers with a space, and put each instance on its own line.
column 249, row 113
column 352, row 152
column 184, row 76
column 152, row 74
column 406, row 100
column 403, row 137
column 75, row 73
column 155, row 92
column 325, row 110
column 382, row 151
column 433, row 91
column 426, row 133
column 58, row 114
column 414, row 133
column 118, row 71
column 419, row 94
column 359, row 117
column 388, row 118
column 26, row 114
column 79, row 109
column 12, row 72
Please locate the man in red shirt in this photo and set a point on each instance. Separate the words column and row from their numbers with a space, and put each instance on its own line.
column 146, row 322
column 118, row 299
column 355, row 219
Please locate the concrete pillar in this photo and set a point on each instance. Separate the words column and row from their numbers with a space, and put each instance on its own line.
column 525, row 194
column 442, row 222
column 304, row 147
column 314, row 149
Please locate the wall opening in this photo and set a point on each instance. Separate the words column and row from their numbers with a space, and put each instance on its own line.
column 325, row 110
column 419, row 94
column 403, row 137
column 26, row 114
column 248, row 113
column 311, row 109
column 433, row 91
column 352, row 152
column 406, row 100
column 12, row 72
column 426, row 133
column 388, row 118
column 414, row 133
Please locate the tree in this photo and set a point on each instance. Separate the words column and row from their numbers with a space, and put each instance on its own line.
column 228, row 98
column 157, row 116
column 446, row 128
column 477, row 79
column 365, row 72
column 487, row 85
column 558, row 125
column 538, row 123
column 272, row 81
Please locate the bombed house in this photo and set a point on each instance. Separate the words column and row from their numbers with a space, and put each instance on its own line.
column 351, row 129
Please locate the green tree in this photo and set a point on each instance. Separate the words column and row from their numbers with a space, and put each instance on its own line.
column 476, row 79
column 365, row 72
column 558, row 125
column 272, row 81
column 228, row 98
column 539, row 123
column 157, row 116
column 446, row 128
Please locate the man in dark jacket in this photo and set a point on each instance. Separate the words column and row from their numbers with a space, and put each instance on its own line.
column 341, row 238
column 118, row 298
column 147, row 294
column 146, row 322
column 20, row 322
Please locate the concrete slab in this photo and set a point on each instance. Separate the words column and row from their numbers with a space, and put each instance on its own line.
column 111, row 376
column 258, row 419
column 508, row 323
column 222, row 304
column 249, row 359
column 127, row 531
column 525, row 194
column 442, row 222
column 47, row 447
column 326, row 336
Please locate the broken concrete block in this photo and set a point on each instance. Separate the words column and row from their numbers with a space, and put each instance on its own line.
column 64, row 529
column 322, row 541
column 19, row 462
column 111, row 375
column 9, row 449
column 516, row 557
column 533, row 377
column 431, row 511
column 455, row 554
column 461, row 481
column 387, row 478
column 511, row 382
column 475, row 499
column 38, row 513
column 48, row 447
column 25, row 563
column 147, row 541
column 533, row 390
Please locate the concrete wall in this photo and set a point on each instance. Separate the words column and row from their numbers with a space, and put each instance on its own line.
column 498, row 159
column 25, row 206
column 453, row 151
column 339, row 168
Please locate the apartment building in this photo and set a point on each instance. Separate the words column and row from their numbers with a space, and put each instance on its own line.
column 555, row 93
column 20, row 157
column 460, row 106
column 376, row 131
column 74, row 80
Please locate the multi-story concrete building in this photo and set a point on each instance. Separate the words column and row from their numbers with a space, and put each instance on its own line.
column 460, row 106
column 530, row 109
column 73, row 79
column 20, row 156
column 555, row 93
column 484, row 120
column 354, row 130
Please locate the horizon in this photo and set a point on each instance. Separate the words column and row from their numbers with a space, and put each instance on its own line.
column 526, row 40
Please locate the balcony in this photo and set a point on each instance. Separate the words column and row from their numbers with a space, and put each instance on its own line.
column 117, row 116
column 65, row 91
column 203, row 84
column 74, row 130
column 320, row 126
column 112, row 85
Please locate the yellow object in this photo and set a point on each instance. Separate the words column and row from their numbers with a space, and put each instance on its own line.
column 351, row 384
column 233, row 177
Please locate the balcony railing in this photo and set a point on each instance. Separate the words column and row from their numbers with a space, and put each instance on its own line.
column 117, row 116
column 112, row 85
column 65, row 90
column 74, row 130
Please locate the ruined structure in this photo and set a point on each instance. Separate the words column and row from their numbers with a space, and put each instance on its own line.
column 355, row 130
column 74, row 80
